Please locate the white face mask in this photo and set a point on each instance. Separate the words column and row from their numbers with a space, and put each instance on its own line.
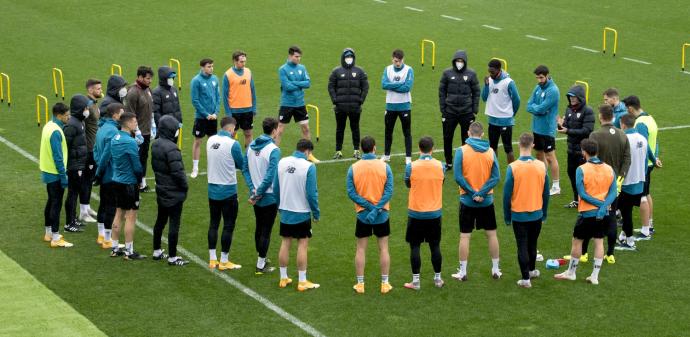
column 122, row 92
column 86, row 113
column 349, row 60
column 171, row 82
column 459, row 65
column 177, row 133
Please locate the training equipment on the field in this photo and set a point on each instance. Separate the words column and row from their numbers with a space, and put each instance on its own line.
column 433, row 52
column 39, row 99
column 115, row 66
column 682, row 55
column 552, row 264
column 58, row 71
column 586, row 85
column 6, row 78
column 179, row 71
column 318, row 119
column 179, row 139
column 615, row 40
column 504, row 62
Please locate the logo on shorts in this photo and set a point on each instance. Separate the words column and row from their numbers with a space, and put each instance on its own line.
column 197, row 133
column 291, row 169
column 137, row 203
column 215, row 146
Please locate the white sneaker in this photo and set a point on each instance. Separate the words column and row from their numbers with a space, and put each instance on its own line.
column 408, row 160
column 592, row 280
column 496, row 274
column 566, row 275
column 386, row 158
column 540, row 257
column 92, row 213
column 524, row 283
column 534, row 274
column 195, row 173
column 86, row 218
column 460, row 276
column 555, row 190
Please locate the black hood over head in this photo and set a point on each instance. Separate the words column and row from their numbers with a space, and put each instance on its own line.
column 460, row 54
column 115, row 83
column 348, row 52
column 167, row 126
column 579, row 92
column 163, row 74
column 77, row 105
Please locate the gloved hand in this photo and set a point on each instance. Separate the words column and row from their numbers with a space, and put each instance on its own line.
column 63, row 180
column 138, row 137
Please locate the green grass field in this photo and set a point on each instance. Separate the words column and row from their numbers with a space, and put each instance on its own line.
column 639, row 295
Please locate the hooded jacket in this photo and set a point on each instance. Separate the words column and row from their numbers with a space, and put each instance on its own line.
column 124, row 156
column 115, row 83
column 166, row 160
column 262, row 187
column 480, row 146
column 107, row 129
column 579, row 121
column 348, row 85
column 91, row 123
column 165, row 99
column 458, row 91
column 293, row 80
column 543, row 105
column 205, row 95
column 140, row 102
column 75, row 135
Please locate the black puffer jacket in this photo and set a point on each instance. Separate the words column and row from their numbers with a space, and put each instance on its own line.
column 115, row 83
column 166, row 160
column 579, row 121
column 165, row 100
column 75, row 135
column 348, row 85
column 458, row 91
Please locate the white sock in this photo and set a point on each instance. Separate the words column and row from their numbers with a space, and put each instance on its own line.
column 101, row 229
column 651, row 222
column 415, row 278
column 630, row 241
column 494, row 263
column 116, row 244
column 437, row 276
column 49, row 230
column 143, row 183
column 107, row 233
column 302, row 275
column 597, row 267
column 129, row 247
column 384, row 278
column 572, row 267
column 408, row 160
column 283, row 272
column 157, row 252
column 260, row 262
column 224, row 257
column 360, row 278
column 195, row 165
column 557, row 184
column 84, row 209
column 56, row 236
column 621, row 236
column 645, row 230
column 212, row 254
column 463, row 267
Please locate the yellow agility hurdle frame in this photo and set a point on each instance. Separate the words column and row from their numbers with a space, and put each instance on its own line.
column 40, row 98
column 505, row 63
column 9, row 89
column 179, row 140
column 115, row 66
column 433, row 52
column 318, row 119
column 586, row 85
column 55, row 83
column 682, row 55
column 615, row 40
column 179, row 71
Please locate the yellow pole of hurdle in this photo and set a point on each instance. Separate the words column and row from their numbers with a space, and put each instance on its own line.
column 40, row 98
column 179, row 140
column 682, row 61
column 505, row 63
column 615, row 40
column 115, row 66
column 318, row 119
column 586, row 88
column 57, row 71
column 9, row 89
column 179, row 71
column 433, row 52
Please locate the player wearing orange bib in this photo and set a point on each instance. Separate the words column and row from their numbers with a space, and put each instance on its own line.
column 239, row 95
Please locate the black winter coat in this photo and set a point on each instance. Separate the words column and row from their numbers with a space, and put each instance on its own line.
column 348, row 85
column 75, row 136
column 115, row 83
column 165, row 100
column 166, row 160
column 458, row 91
column 580, row 122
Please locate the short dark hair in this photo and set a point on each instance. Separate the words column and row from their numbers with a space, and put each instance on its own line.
column 294, row 49
column 628, row 120
column 526, row 140
column 304, row 145
column 269, row 124
column 611, row 92
column 236, row 55
column 399, row 54
column 632, row 101
column 606, row 112
column 91, row 82
column 476, row 129
column 227, row 120
column 205, row 61
column 496, row 64
column 590, row 146
column 126, row 117
column 144, row 70
column 367, row 144
column 426, row 144
column 112, row 109
column 60, row 108
column 541, row 70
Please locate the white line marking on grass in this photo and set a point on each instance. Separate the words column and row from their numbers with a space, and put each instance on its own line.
column 586, row 49
column 414, row 9
column 451, row 17
column 636, row 60
column 196, row 259
column 380, row 1
column 536, row 37
column 492, row 27
column 686, row 72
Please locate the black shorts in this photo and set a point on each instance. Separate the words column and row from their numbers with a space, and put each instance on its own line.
column 245, row 120
column 363, row 230
column 423, row 230
column 286, row 113
column 477, row 218
column 297, row 231
column 107, row 194
column 586, row 228
column 629, row 200
column 204, row 127
column 503, row 132
column 544, row 143
column 126, row 196
column 647, row 180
